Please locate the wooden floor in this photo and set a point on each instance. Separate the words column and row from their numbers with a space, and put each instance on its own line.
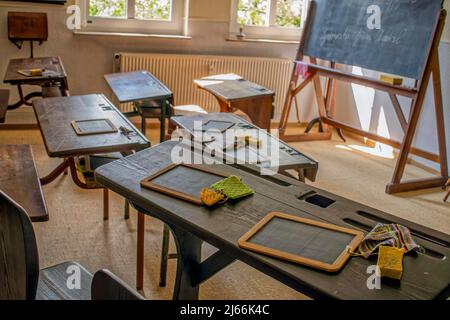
column 76, row 230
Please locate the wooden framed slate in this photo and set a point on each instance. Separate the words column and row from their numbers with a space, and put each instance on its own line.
column 222, row 126
column 93, row 126
column 303, row 241
column 182, row 181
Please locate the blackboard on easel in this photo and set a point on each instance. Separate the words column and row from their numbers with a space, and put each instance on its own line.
column 390, row 36
column 400, row 37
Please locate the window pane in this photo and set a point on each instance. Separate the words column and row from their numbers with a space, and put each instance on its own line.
column 289, row 13
column 153, row 9
column 108, row 8
column 253, row 12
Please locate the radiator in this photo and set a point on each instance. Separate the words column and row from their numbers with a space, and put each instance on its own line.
column 177, row 72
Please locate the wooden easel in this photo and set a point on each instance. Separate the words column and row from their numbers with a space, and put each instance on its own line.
column 311, row 73
column 448, row 193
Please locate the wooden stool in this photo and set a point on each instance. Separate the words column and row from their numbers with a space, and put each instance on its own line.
column 448, row 193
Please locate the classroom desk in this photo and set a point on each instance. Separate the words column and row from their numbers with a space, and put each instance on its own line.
column 54, row 116
column 55, row 76
column 426, row 276
column 253, row 99
column 141, row 86
column 289, row 158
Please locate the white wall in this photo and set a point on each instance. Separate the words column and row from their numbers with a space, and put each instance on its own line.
column 88, row 58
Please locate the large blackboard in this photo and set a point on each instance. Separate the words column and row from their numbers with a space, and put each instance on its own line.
column 339, row 31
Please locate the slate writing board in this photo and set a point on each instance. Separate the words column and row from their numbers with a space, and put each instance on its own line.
column 339, row 32
column 94, row 126
column 216, row 125
column 303, row 241
column 182, row 181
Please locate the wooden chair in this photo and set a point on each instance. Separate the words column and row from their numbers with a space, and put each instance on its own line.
column 150, row 109
column 107, row 286
column 20, row 277
column 448, row 193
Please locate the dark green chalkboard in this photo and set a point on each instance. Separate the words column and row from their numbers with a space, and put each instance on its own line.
column 339, row 32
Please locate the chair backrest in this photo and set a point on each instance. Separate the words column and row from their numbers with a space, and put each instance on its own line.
column 19, row 261
column 107, row 286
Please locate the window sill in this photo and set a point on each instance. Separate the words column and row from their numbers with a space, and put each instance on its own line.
column 261, row 40
column 133, row 35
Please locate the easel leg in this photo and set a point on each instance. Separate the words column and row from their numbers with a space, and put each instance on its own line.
column 448, row 193
column 439, row 116
column 417, row 104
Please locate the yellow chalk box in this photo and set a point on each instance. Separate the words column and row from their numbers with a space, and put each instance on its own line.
column 390, row 262
column 391, row 80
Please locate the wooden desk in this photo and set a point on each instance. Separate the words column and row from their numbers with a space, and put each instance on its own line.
column 141, row 86
column 253, row 99
column 54, row 116
column 4, row 97
column 289, row 158
column 426, row 276
column 19, row 180
column 56, row 75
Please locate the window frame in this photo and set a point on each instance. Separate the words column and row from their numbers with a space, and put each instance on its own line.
column 175, row 26
column 272, row 31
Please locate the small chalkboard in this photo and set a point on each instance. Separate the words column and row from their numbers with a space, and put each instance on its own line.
column 93, row 126
column 182, row 181
column 217, row 125
column 308, row 242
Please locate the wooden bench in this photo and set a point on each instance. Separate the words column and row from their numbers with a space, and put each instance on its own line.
column 4, row 97
column 19, row 180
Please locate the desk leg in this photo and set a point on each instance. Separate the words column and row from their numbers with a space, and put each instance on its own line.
column 162, row 133
column 55, row 173
column 24, row 100
column 189, row 249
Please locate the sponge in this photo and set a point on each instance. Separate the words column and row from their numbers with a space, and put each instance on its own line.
column 390, row 262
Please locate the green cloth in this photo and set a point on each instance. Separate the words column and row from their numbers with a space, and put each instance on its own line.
column 232, row 187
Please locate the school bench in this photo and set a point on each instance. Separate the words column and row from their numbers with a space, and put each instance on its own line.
column 19, row 179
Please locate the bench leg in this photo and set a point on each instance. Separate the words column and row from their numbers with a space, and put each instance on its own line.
column 140, row 251
column 105, row 204
column 126, row 214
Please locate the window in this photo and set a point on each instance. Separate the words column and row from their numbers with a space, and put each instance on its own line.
column 277, row 19
column 134, row 16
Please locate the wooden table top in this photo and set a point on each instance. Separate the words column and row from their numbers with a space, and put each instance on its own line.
column 233, row 90
column 426, row 276
column 52, row 64
column 289, row 158
column 19, row 180
column 54, row 116
column 135, row 86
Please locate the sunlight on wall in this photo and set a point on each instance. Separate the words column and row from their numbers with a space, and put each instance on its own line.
column 380, row 149
column 364, row 98
column 364, row 101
